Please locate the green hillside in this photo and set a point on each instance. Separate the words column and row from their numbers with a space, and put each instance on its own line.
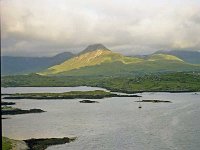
column 192, row 57
column 180, row 81
column 119, row 68
column 105, row 62
column 93, row 58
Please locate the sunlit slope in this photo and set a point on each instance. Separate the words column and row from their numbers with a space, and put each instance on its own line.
column 166, row 57
column 105, row 62
column 93, row 58
column 119, row 68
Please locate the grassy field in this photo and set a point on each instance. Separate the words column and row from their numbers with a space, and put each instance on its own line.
column 6, row 144
column 180, row 81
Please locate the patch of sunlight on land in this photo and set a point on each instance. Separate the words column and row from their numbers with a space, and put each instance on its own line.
column 90, row 59
column 156, row 57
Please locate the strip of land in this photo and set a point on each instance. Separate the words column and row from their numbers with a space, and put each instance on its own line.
column 10, row 144
column 7, row 103
column 33, row 144
column 42, row 144
column 7, row 110
column 157, row 82
column 88, row 101
column 97, row 94
column 155, row 101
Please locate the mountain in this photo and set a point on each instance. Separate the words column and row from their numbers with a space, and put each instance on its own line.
column 94, row 47
column 188, row 56
column 95, row 60
column 24, row 65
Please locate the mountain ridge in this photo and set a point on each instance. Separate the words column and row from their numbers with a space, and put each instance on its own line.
column 11, row 65
column 188, row 56
column 97, row 59
column 103, row 61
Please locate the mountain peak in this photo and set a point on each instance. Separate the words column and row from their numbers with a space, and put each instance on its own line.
column 94, row 47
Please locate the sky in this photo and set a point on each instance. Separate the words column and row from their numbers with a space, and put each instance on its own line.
column 48, row 27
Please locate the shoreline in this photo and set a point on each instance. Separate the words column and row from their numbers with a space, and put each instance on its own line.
column 35, row 144
column 96, row 94
column 17, row 111
column 107, row 89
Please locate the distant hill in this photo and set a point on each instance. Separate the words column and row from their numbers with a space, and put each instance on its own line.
column 98, row 60
column 188, row 56
column 24, row 65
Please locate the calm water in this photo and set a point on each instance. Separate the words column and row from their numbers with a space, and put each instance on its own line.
column 12, row 90
column 113, row 124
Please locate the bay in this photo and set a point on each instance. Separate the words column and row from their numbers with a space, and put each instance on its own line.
column 114, row 123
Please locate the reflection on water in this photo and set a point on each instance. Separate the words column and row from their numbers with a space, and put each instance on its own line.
column 13, row 90
column 114, row 123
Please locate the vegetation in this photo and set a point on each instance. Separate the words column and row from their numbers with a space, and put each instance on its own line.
column 88, row 101
column 33, row 144
column 188, row 56
column 92, row 58
column 6, row 143
column 8, row 110
column 42, row 144
column 99, row 62
column 178, row 82
column 97, row 59
column 7, row 103
column 97, row 94
column 154, row 101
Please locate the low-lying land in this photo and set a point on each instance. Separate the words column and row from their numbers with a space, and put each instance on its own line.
column 88, row 101
column 8, row 110
column 42, row 144
column 10, row 144
column 155, row 101
column 33, row 144
column 157, row 82
column 7, row 103
column 5, row 117
column 97, row 94
column 6, row 143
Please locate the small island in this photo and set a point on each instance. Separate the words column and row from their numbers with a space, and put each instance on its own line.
column 155, row 101
column 34, row 144
column 88, row 101
column 42, row 144
column 7, row 103
column 8, row 110
column 97, row 94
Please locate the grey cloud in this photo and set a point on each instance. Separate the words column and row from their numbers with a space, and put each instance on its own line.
column 48, row 27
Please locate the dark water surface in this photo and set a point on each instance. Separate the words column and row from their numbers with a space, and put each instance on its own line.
column 112, row 124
